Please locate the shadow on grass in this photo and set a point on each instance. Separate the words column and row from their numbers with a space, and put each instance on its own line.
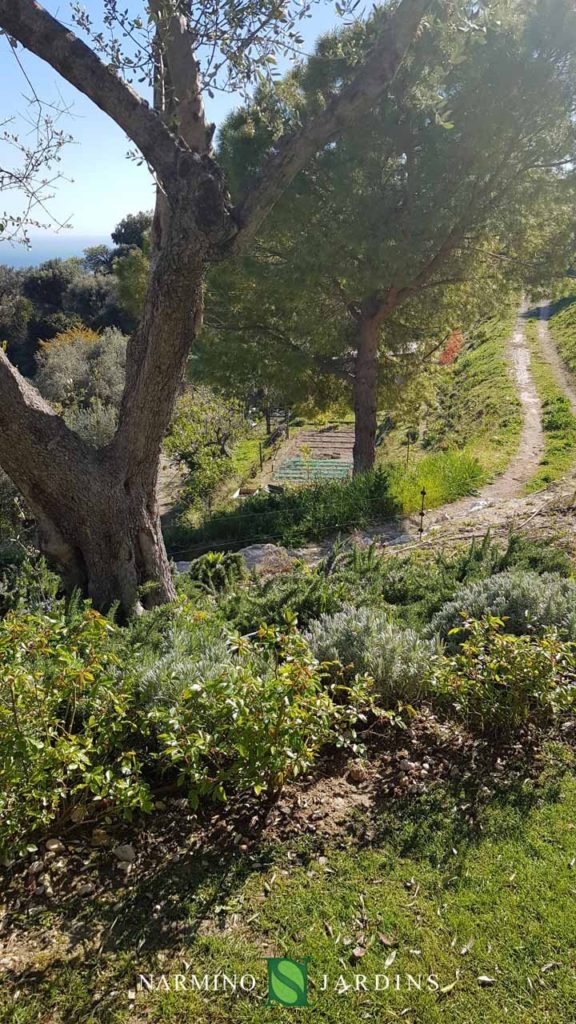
column 191, row 872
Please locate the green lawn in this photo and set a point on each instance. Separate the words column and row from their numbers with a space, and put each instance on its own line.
column 558, row 421
column 505, row 894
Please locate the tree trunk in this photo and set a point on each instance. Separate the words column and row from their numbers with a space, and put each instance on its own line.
column 96, row 510
column 106, row 541
column 365, row 394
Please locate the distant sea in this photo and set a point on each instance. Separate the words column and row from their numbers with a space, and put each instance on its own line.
column 48, row 247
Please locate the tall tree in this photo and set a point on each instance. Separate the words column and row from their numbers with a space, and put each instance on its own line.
column 462, row 173
column 97, row 510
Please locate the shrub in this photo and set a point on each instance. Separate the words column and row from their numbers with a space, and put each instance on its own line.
column 258, row 722
column 201, row 437
column 303, row 594
column 525, row 600
column 497, row 682
column 80, row 366
column 67, row 722
column 95, row 424
column 26, row 583
column 189, row 649
column 217, row 570
column 89, row 715
column 363, row 640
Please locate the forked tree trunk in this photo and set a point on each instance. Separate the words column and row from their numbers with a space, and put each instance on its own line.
column 365, row 395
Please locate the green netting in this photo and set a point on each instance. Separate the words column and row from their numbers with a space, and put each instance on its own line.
column 297, row 470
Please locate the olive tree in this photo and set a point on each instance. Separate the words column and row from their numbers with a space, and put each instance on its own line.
column 97, row 509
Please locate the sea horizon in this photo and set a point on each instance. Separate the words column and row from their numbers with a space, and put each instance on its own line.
column 48, row 247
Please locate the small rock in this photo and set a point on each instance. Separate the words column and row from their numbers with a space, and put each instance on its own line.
column 36, row 867
column 86, row 890
column 55, row 846
column 125, row 852
column 357, row 773
column 267, row 559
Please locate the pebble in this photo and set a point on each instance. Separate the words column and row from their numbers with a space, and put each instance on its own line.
column 125, row 852
column 55, row 846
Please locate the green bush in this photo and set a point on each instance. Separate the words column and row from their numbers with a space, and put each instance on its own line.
column 26, row 582
column 363, row 640
column 204, row 430
column 217, row 570
column 302, row 593
column 67, row 722
column 295, row 516
column 497, row 682
column 190, row 649
column 89, row 714
column 257, row 722
column 526, row 602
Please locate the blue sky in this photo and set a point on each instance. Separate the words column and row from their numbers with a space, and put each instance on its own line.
column 103, row 184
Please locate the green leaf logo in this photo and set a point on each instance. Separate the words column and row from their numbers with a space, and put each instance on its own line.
column 287, row 982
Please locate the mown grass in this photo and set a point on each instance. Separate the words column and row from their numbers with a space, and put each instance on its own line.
column 558, row 420
column 504, row 893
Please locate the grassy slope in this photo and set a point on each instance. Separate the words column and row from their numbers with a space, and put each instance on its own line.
column 507, row 891
column 563, row 327
column 558, row 421
column 477, row 420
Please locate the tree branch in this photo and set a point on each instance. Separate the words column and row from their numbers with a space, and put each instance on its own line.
column 293, row 151
column 31, row 434
column 36, row 29
column 178, row 44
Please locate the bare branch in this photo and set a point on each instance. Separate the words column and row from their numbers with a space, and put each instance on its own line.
column 36, row 29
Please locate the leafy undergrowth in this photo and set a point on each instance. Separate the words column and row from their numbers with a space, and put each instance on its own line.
column 293, row 517
column 558, row 420
column 369, row 763
column 325, row 509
